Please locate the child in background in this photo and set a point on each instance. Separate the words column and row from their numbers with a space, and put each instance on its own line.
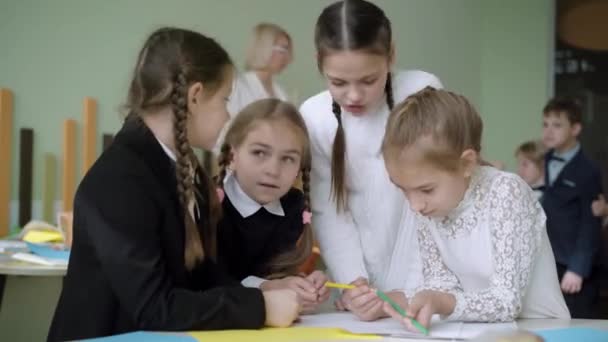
column 265, row 234
column 485, row 252
column 572, row 183
column 145, row 214
column 531, row 165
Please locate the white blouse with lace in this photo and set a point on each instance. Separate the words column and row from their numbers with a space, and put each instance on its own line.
column 492, row 253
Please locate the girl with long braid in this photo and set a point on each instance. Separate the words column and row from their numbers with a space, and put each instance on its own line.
column 145, row 215
column 265, row 234
column 357, row 212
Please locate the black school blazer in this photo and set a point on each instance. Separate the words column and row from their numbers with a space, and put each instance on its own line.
column 126, row 269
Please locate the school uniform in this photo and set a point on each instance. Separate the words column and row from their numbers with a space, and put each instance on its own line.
column 573, row 182
column 126, row 269
column 492, row 253
column 358, row 242
column 248, row 88
column 538, row 189
column 250, row 235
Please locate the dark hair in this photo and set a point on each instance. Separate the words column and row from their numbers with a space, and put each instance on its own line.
column 269, row 110
column 569, row 107
column 170, row 61
column 351, row 25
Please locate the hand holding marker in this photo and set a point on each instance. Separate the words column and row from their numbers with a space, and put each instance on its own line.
column 385, row 298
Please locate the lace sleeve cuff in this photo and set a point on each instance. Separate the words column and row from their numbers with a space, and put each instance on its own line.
column 459, row 308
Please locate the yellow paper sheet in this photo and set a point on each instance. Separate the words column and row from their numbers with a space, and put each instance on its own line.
column 40, row 236
column 280, row 334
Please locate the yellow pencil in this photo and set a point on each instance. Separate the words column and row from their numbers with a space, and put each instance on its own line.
column 339, row 286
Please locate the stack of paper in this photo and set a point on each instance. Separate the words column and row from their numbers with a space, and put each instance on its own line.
column 12, row 246
column 43, row 254
column 390, row 327
column 41, row 232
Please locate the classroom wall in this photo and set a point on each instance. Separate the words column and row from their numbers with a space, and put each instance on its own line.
column 54, row 53
column 516, row 73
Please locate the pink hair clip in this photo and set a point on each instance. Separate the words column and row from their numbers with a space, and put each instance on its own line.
column 220, row 194
column 306, row 217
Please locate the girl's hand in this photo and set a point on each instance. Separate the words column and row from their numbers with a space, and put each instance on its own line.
column 571, row 283
column 318, row 279
column 340, row 304
column 600, row 207
column 282, row 307
column 362, row 301
column 422, row 308
column 303, row 287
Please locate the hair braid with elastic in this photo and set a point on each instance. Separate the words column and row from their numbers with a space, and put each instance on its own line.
column 184, row 171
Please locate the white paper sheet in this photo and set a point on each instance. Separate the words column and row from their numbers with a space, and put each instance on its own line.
column 438, row 330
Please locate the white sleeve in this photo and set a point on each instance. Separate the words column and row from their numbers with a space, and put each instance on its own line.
column 516, row 227
column 435, row 82
column 437, row 276
column 236, row 102
column 238, row 98
column 408, row 82
column 336, row 233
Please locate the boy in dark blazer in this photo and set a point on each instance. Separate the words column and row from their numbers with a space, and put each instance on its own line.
column 573, row 181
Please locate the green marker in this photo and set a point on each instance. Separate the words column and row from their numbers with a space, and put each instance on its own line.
column 402, row 312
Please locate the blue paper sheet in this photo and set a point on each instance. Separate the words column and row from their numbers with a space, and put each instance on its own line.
column 47, row 252
column 145, row 336
column 573, row 334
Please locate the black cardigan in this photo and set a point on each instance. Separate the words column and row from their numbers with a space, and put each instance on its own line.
column 247, row 245
column 126, row 269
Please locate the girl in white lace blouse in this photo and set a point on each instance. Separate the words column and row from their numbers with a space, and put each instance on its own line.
column 483, row 243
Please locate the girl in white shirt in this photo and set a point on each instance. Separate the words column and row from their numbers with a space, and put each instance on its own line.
column 483, row 242
column 357, row 211
column 268, row 54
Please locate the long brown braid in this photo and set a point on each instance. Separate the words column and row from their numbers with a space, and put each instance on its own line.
column 288, row 263
column 388, row 90
column 269, row 110
column 223, row 162
column 204, row 180
column 338, row 161
column 338, row 158
column 184, row 172
column 351, row 25
column 171, row 61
